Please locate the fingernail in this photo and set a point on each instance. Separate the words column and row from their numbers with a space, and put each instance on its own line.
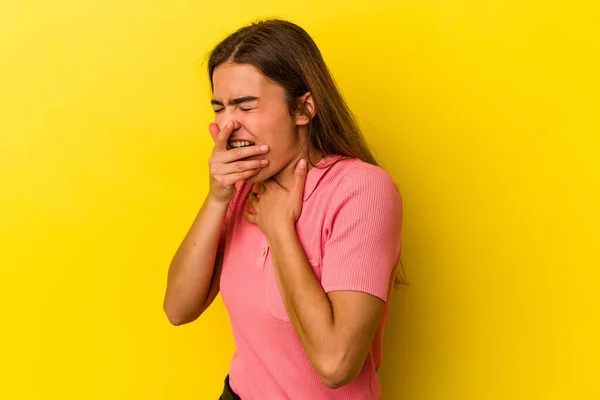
column 264, row 162
column 302, row 163
column 230, row 124
column 264, row 147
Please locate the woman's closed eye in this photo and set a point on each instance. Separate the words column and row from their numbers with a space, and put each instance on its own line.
column 245, row 109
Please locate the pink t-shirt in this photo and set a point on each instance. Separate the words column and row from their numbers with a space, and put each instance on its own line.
column 350, row 229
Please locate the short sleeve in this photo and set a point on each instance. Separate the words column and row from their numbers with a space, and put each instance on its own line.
column 228, row 216
column 363, row 233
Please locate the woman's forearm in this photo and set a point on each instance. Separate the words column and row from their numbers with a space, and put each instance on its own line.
column 306, row 302
column 193, row 266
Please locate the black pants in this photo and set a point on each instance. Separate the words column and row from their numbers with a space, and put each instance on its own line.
column 228, row 394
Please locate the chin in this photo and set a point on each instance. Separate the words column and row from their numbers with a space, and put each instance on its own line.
column 255, row 178
column 260, row 177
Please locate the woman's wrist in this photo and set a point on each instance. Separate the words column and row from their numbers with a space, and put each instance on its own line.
column 217, row 201
column 215, row 206
column 283, row 233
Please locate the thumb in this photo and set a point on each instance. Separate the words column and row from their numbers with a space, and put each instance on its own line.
column 300, row 174
column 214, row 131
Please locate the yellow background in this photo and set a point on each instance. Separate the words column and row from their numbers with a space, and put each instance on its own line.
column 485, row 113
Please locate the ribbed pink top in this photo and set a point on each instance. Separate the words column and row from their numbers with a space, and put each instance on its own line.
column 350, row 229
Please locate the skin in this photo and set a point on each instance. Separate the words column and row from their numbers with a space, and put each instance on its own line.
column 336, row 328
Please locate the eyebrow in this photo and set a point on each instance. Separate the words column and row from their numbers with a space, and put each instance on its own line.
column 235, row 102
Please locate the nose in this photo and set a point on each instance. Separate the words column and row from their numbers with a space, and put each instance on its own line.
column 229, row 115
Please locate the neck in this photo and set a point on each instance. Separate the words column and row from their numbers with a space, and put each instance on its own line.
column 285, row 178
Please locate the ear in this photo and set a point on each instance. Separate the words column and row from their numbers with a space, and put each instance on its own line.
column 306, row 109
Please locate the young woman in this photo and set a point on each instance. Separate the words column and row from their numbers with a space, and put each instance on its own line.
column 300, row 231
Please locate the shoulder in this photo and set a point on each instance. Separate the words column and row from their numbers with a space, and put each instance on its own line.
column 356, row 178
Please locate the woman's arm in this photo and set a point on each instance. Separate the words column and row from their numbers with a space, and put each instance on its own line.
column 193, row 280
column 336, row 329
column 194, row 274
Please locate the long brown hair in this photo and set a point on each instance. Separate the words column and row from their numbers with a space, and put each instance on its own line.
column 286, row 54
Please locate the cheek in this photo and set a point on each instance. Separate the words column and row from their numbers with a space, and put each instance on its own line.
column 276, row 129
column 254, row 124
column 258, row 127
